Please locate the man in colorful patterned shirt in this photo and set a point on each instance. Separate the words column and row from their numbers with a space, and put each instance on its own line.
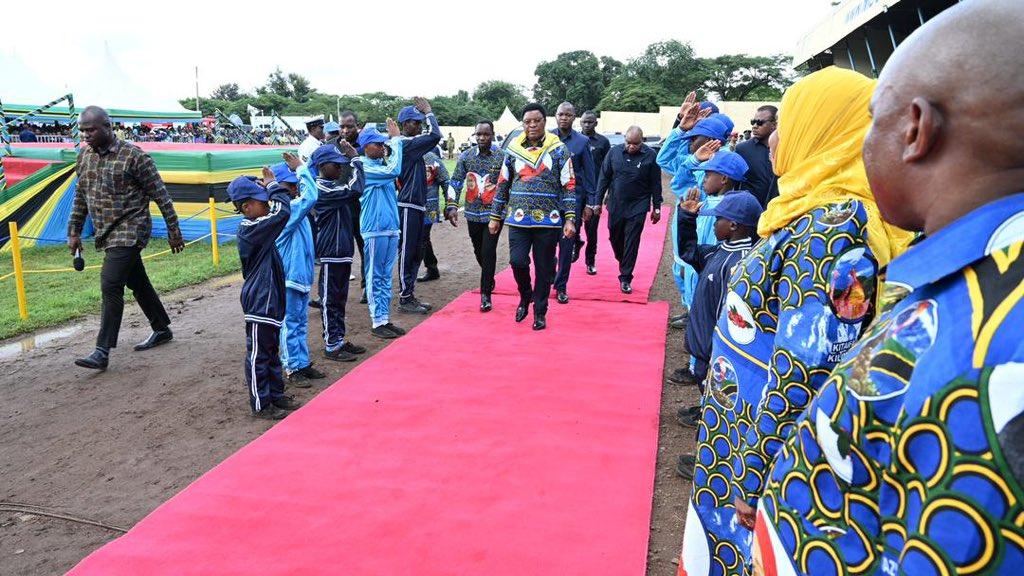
column 910, row 460
column 116, row 182
column 536, row 199
column 437, row 181
column 477, row 172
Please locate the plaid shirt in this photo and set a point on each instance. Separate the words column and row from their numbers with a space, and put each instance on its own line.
column 115, row 188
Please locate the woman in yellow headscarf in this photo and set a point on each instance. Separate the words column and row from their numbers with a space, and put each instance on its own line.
column 798, row 301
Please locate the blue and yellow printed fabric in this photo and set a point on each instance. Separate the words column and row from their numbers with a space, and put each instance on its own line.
column 911, row 458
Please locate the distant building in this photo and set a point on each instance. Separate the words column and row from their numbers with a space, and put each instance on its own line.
column 862, row 34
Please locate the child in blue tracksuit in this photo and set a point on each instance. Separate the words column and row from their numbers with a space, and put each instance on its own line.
column 266, row 207
column 678, row 157
column 340, row 180
column 379, row 224
column 295, row 244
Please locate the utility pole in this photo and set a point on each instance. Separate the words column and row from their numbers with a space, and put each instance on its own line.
column 197, row 91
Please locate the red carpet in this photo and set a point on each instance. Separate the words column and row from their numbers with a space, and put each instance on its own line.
column 605, row 285
column 511, row 453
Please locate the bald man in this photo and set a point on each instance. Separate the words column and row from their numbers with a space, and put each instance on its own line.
column 910, row 460
column 116, row 183
column 631, row 178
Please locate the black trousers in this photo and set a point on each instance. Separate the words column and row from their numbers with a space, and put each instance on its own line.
column 624, row 235
column 334, row 294
column 566, row 247
column 263, row 364
column 429, row 258
column 354, row 209
column 485, row 248
column 122, row 266
column 591, row 229
column 410, row 249
column 541, row 242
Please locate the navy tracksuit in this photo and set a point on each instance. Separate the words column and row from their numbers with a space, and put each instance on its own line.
column 335, row 243
column 714, row 264
column 412, row 202
column 263, row 299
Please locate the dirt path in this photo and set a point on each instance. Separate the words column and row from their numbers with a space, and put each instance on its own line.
column 114, row 446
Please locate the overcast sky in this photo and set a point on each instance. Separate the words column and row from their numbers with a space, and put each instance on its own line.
column 353, row 47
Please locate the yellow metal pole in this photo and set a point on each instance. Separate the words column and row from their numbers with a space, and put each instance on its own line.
column 215, row 248
column 19, row 276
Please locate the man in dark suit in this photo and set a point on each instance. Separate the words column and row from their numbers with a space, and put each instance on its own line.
column 632, row 179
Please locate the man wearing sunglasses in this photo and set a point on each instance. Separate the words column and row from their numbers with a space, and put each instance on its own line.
column 761, row 181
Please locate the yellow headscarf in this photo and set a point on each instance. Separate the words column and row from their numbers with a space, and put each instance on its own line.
column 822, row 124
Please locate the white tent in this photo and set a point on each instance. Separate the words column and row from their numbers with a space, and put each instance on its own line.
column 506, row 123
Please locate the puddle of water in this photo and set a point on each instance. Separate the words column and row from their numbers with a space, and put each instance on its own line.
column 31, row 342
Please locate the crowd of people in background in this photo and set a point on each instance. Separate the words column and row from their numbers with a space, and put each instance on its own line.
column 187, row 133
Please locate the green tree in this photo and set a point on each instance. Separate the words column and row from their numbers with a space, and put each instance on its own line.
column 227, row 92
column 277, row 83
column 494, row 95
column 300, row 87
column 610, row 69
column 742, row 77
column 670, row 65
column 573, row 76
column 630, row 94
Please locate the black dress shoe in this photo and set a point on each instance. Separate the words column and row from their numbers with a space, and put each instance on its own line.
column 98, row 360
column 539, row 322
column 339, row 355
column 521, row 311
column 353, row 348
column 685, row 466
column 626, row 288
column 155, row 339
column 485, row 302
column 562, row 298
column 286, row 403
column 430, row 274
column 591, row 269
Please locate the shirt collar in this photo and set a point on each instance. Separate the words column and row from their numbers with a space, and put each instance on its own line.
column 965, row 241
column 572, row 134
column 113, row 149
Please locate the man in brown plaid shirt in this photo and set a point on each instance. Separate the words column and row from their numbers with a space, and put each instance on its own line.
column 116, row 182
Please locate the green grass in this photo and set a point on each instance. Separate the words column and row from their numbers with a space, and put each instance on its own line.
column 56, row 298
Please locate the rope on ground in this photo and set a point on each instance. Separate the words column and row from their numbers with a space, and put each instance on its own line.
column 40, row 511
column 95, row 266
column 207, row 209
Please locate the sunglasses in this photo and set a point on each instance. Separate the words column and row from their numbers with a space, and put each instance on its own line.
column 756, row 122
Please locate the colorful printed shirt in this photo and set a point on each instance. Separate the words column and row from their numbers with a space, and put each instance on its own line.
column 797, row 302
column 911, row 458
column 478, row 173
column 115, row 187
column 536, row 185
column 437, row 180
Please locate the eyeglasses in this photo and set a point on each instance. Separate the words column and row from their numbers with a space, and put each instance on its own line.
column 756, row 122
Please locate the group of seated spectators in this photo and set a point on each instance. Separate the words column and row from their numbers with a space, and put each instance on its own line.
column 182, row 133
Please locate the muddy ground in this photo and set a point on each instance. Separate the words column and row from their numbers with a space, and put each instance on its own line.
column 113, row 446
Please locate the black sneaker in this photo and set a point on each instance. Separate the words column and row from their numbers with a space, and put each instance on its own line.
column 395, row 329
column 353, row 348
column 297, row 380
column 682, row 376
column 679, row 323
column 429, row 275
column 684, row 467
column 383, row 332
column 270, row 412
column 591, row 269
column 485, row 303
column 412, row 306
column 288, row 403
column 689, row 417
column 310, row 373
column 339, row 355
column 315, row 304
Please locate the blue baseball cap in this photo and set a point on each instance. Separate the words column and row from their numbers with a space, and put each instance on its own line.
column 282, row 173
column 370, row 135
column 332, row 127
column 729, row 163
column 327, row 153
column 739, row 206
column 245, row 187
column 410, row 113
column 712, row 127
column 714, row 108
column 727, row 122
